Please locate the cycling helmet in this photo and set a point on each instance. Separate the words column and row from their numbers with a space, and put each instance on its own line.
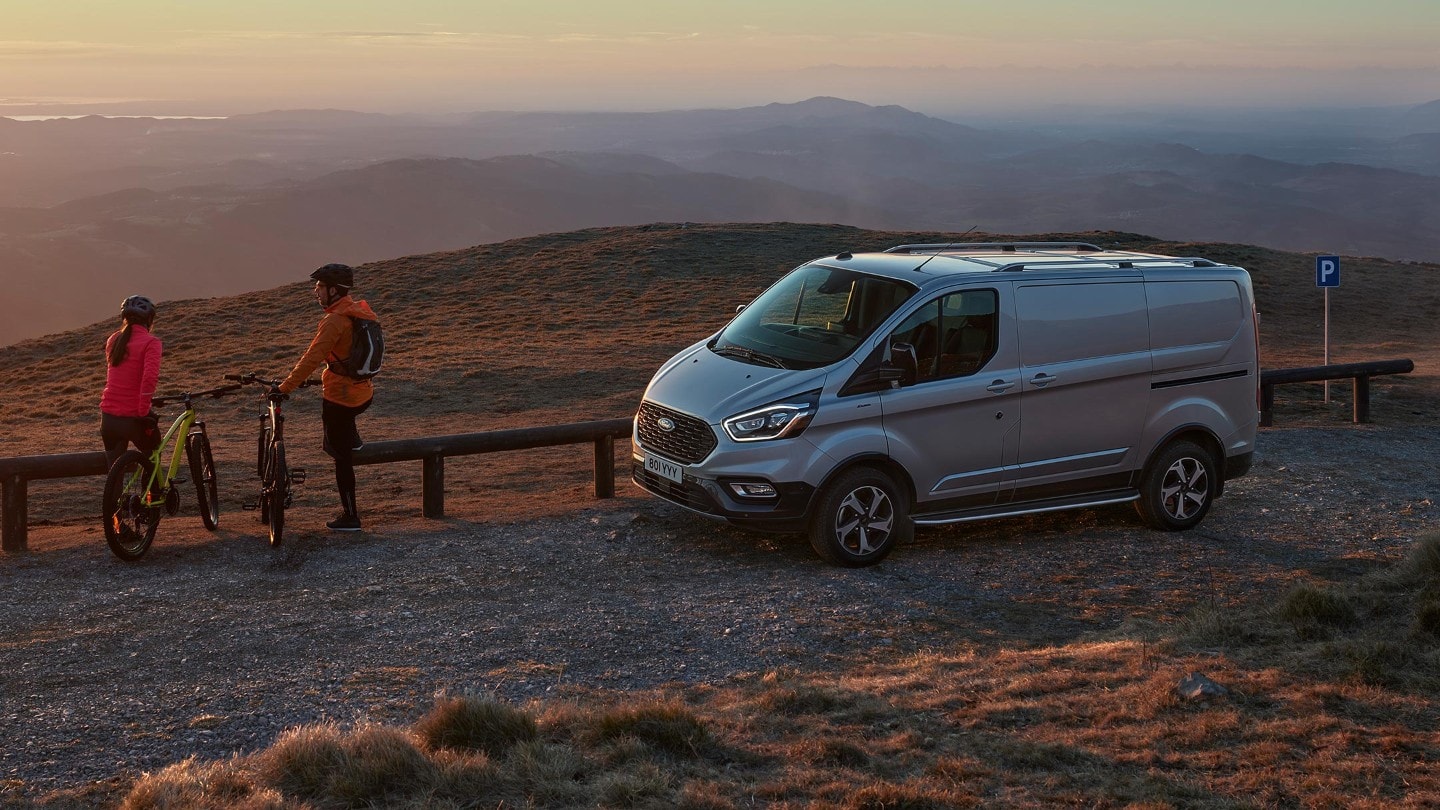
column 336, row 275
column 137, row 309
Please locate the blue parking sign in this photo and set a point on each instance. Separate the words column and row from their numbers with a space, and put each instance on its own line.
column 1327, row 271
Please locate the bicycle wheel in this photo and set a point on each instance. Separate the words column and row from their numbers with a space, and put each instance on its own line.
column 129, row 524
column 202, row 470
column 277, row 491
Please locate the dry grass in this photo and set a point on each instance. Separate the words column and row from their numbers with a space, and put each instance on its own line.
column 1341, row 718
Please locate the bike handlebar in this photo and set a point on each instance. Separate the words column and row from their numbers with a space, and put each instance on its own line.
column 254, row 378
column 213, row 393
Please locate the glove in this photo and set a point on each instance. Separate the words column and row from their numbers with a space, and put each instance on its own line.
column 150, row 423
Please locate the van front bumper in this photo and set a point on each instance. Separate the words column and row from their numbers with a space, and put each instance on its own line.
column 785, row 512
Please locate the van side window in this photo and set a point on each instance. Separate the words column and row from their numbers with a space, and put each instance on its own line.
column 953, row 336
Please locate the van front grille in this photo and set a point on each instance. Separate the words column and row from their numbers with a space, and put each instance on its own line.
column 688, row 441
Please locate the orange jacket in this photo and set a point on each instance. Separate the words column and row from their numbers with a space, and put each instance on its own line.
column 332, row 342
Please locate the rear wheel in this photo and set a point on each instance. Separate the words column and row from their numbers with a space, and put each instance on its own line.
column 202, row 470
column 277, row 490
column 1178, row 487
column 859, row 518
column 129, row 524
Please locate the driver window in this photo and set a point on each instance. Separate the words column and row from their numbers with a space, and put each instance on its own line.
column 953, row 336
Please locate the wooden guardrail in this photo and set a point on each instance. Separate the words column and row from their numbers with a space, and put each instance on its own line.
column 17, row 472
column 1359, row 372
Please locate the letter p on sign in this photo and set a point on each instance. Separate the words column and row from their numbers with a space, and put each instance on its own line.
column 1327, row 271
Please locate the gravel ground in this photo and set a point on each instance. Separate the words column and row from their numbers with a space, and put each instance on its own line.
column 216, row 643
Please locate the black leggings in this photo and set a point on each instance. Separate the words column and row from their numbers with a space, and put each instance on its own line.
column 341, row 442
column 118, row 432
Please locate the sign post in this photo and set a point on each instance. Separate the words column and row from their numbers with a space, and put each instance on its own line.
column 1327, row 275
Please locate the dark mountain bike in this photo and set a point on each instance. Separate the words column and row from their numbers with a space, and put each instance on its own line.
column 139, row 486
column 277, row 478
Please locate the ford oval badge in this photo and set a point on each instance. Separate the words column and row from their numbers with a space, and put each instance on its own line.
column 665, row 423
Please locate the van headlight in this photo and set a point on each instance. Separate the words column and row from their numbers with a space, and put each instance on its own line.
column 780, row 420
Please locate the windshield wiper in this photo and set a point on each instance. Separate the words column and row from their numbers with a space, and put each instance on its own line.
column 749, row 355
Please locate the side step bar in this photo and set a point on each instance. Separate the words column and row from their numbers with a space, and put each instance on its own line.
column 1028, row 508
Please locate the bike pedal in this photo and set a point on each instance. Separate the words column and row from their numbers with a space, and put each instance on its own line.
column 250, row 505
column 297, row 476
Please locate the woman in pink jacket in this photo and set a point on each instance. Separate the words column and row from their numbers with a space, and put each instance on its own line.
column 133, row 370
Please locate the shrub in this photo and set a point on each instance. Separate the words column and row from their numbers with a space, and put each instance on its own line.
column 669, row 727
column 1307, row 604
column 1423, row 562
column 365, row 767
column 475, row 724
column 1427, row 619
column 189, row 785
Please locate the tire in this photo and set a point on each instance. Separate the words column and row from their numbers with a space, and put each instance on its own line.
column 1178, row 486
column 260, row 447
column 277, row 488
column 129, row 526
column 202, row 471
column 859, row 518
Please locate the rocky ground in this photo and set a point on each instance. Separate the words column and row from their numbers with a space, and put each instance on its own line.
column 214, row 643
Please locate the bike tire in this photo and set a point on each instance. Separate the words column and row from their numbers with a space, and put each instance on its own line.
column 129, row 525
column 202, row 471
column 277, row 491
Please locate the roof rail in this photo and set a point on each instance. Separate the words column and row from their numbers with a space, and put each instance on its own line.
column 1122, row 264
column 1001, row 247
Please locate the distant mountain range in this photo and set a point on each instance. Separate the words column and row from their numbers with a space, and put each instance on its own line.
column 99, row 208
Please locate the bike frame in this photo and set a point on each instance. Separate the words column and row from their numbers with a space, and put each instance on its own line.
column 161, row 474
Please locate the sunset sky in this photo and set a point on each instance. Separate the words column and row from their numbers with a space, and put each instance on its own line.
column 209, row 57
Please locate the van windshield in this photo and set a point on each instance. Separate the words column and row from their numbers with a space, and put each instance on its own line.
column 811, row 318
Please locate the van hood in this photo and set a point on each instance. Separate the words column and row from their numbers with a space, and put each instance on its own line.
column 700, row 382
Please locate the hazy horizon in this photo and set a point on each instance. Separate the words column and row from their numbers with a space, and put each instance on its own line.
column 147, row 57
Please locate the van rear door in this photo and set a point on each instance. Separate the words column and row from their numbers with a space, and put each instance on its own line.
column 1085, row 384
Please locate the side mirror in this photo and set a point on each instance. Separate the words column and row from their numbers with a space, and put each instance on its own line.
column 882, row 375
column 903, row 360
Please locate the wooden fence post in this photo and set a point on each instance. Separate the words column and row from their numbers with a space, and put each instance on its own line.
column 12, row 533
column 432, row 487
column 1361, row 408
column 605, row 467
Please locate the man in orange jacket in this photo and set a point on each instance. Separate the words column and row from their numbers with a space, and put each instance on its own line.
column 344, row 397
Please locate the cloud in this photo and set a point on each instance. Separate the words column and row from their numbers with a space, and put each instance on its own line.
column 61, row 49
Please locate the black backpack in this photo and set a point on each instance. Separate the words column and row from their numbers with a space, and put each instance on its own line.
column 367, row 350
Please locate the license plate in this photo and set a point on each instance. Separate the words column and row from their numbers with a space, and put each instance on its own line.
column 665, row 469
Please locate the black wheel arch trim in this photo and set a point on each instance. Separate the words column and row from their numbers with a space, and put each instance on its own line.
column 882, row 461
column 1175, row 433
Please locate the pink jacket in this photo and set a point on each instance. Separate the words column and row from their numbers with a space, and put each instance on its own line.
column 130, row 385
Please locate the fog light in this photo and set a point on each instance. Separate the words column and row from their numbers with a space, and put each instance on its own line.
column 746, row 490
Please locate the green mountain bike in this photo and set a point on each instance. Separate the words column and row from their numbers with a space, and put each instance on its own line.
column 139, row 486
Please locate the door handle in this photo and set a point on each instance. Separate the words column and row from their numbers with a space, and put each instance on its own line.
column 1042, row 379
column 999, row 387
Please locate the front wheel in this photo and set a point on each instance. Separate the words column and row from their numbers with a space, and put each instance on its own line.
column 202, row 470
column 277, row 491
column 859, row 518
column 1178, row 487
column 129, row 524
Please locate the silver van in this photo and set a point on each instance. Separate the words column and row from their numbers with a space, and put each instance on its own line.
column 929, row 384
